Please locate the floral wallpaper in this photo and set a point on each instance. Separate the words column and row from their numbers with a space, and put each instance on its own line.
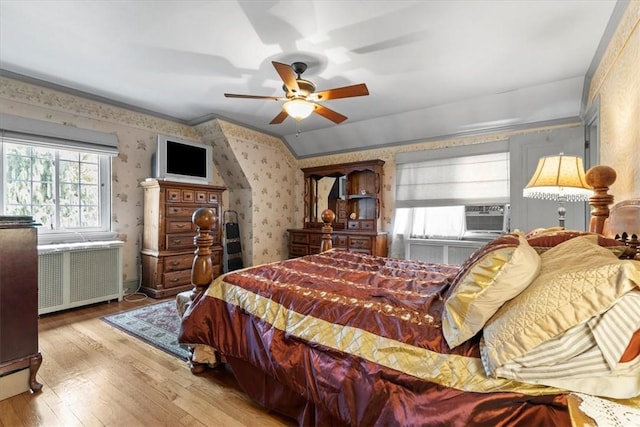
column 259, row 172
column 137, row 135
column 616, row 85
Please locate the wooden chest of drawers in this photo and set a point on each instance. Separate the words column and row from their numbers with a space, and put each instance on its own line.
column 18, row 303
column 167, row 244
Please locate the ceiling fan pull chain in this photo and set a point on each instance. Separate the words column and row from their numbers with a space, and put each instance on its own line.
column 297, row 128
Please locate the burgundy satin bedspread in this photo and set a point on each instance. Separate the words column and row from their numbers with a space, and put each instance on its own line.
column 318, row 385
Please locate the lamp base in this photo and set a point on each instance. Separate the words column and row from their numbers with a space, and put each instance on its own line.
column 561, row 210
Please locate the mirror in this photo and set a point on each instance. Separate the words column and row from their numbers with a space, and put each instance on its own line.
column 323, row 193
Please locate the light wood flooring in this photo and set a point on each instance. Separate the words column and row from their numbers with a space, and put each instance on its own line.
column 96, row 375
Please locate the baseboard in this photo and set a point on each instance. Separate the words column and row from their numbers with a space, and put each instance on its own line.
column 130, row 286
column 14, row 384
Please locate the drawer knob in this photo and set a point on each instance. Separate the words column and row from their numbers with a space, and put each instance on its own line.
column 177, row 241
column 175, row 263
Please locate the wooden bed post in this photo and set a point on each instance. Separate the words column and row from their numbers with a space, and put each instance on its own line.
column 600, row 178
column 202, row 268
column 327, row 216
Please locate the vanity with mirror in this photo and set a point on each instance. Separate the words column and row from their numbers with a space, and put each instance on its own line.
column 354, row 192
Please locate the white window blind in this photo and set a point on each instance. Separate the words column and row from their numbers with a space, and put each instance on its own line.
column 21, row 130
column 463, row 180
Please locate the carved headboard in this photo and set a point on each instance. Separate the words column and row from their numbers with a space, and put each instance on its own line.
column 622, row 220
column 624, row 224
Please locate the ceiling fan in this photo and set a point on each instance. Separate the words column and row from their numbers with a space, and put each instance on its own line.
column 301, row 97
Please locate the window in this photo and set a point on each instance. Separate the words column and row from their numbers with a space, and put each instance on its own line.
column 59, row 180
column 60, row 189
column 445, row 222
column 432, row 187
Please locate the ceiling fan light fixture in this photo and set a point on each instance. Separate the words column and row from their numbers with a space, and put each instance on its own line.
column 298, row 108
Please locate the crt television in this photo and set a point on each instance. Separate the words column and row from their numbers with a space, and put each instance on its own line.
column 181, row 160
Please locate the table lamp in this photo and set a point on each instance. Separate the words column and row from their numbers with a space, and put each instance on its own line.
column 560, row 178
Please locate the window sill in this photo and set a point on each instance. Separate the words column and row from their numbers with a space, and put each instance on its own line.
column 67, row 237
column 79, row 246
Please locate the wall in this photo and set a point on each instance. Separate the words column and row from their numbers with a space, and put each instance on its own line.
column 259, row 173
column 388, row 155
column 137, row 135
column 616, row 87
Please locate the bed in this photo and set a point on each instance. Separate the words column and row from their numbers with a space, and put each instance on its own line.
column 342, row 338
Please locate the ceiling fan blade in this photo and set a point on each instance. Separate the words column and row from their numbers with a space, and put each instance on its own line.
column 327, row 113
column 235, row 95
column 279, row 118
column 288, row 76
column 342, row 92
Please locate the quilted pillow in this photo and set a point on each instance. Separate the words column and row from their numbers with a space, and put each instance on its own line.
column 578, row 280
column 494, row 274
column 543, row 240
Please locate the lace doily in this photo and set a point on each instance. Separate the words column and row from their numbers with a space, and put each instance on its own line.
column 607, row 413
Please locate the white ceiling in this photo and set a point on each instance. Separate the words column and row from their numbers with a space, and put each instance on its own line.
column 433, row 68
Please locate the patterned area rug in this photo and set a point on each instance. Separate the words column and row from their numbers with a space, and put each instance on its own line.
column 156, row 324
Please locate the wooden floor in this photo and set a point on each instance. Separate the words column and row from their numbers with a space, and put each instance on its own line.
column 96, row 375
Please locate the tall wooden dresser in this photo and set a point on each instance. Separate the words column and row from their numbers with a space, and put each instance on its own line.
column 167, row 244
column 19, row 300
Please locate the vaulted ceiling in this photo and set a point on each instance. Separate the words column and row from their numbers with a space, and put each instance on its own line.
column 433, row 68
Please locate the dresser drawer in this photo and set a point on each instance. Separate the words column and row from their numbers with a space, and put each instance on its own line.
column 188, row 196
column 185, row 262
column 212, row 198
column 201, row 196
column 179, row 241
column 353, row 225
column 184, row 211
column 176, row 278
column 176, row 227
column 176, row 263
column 359, row 243
column 315, row 239
column 367, row 225
column 340, row 241
column 298, row 250
column 299, row 238
column 173, row 194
